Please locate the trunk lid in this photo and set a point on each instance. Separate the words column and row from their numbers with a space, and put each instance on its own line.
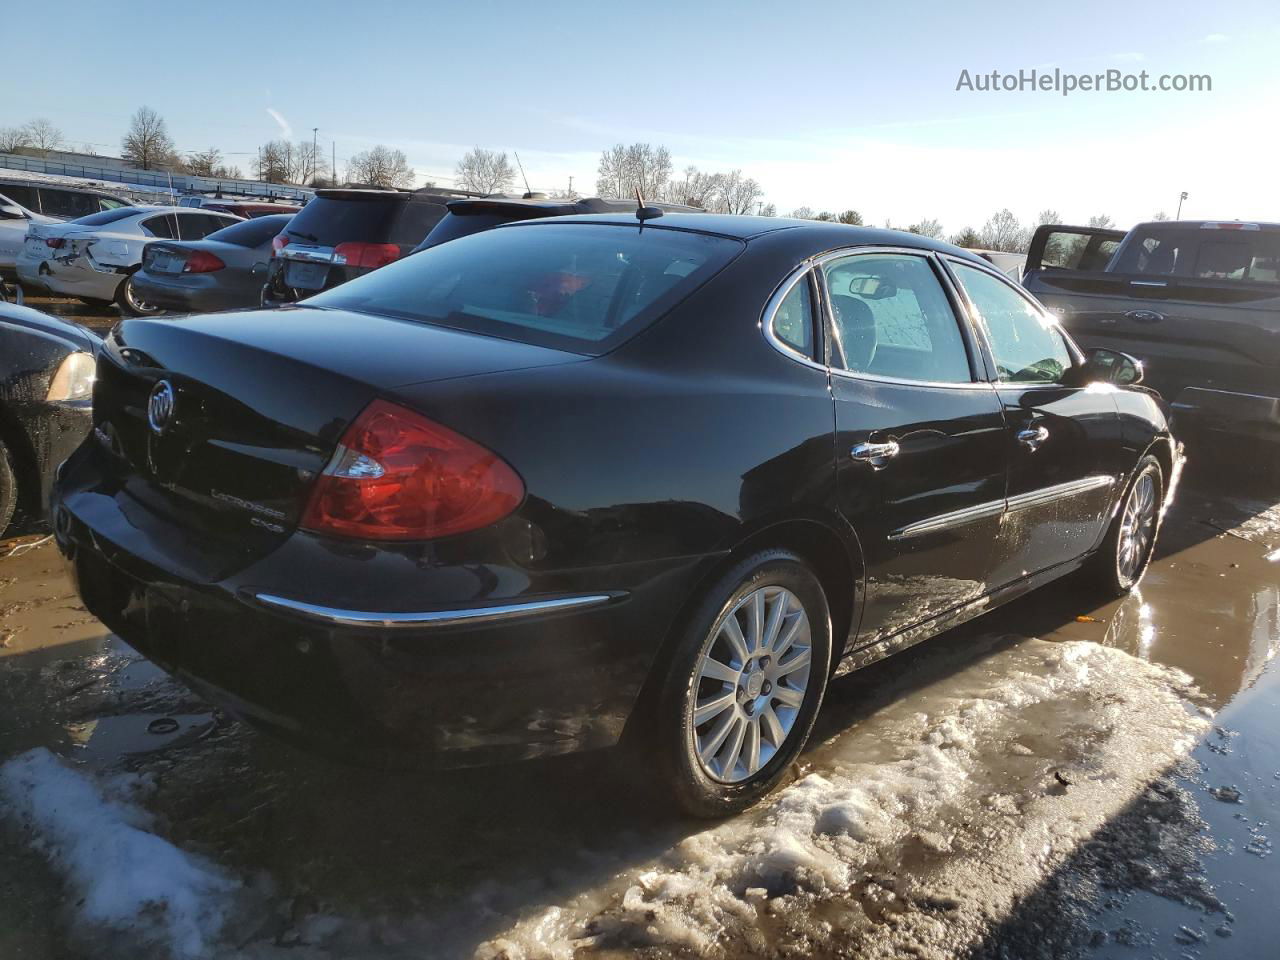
column 250, row 405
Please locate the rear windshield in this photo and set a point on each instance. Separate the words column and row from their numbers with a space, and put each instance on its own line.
column 107, row 216
column 1068, row 250
column 1202, row 254
column 329, row 221
column 251, row 233
column 453, row 226
column 579, row 287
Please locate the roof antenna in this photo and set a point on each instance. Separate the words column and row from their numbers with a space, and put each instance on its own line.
column 643, row 211
column 528, row 193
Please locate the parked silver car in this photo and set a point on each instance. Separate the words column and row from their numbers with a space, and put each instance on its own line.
column 94, row 258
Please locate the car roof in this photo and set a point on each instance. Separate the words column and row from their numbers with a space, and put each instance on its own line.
column 819, row 234
column 581, row 205
column 1210, row 224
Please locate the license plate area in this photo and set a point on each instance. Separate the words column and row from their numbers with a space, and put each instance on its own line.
column 166, row 263
column 308, row 276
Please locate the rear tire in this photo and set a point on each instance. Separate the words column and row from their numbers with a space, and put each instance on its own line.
column 129, row 303
column 8, row 488
column 1126, row 551
column 739, row 694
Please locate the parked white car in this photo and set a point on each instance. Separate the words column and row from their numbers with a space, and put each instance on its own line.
column 14, row 220
column 94, row 258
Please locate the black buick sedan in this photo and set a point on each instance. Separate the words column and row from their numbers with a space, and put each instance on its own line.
column 578, row 481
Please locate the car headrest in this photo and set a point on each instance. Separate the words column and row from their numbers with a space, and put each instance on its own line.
column 856, row 326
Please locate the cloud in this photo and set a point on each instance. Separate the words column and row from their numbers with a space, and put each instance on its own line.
column 1131, row 56
column 286, row 131
column 1215, row 38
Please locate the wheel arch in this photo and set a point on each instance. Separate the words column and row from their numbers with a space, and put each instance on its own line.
column 25, row 464
column 832, row 552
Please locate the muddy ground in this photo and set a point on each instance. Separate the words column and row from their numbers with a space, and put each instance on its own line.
column 1063, row 777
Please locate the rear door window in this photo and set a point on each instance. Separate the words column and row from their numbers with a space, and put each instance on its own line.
column 580, row 287
column 162, row 225
column 891, row 318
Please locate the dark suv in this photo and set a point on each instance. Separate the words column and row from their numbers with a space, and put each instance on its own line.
column 344, row 233
column 466, row 217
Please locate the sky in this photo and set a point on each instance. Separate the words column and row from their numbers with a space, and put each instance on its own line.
column 831, row 105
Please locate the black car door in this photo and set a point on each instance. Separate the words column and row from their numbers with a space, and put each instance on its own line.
column 1064, row 445
column 920, row 436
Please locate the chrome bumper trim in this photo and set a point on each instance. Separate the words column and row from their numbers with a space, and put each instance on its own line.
column 430, row 618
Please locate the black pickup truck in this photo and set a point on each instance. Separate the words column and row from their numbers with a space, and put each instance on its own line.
column 1198, row 302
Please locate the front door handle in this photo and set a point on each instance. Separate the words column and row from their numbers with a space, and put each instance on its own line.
column 875, row 453
column 1033, row 437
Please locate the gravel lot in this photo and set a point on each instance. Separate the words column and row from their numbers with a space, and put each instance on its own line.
column 1061, row 778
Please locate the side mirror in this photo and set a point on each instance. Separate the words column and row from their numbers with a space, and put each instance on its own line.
column 11, row 211
column 1112, row 366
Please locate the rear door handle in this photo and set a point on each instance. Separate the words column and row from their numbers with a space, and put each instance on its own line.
column 875, row 453
column 1033, row 437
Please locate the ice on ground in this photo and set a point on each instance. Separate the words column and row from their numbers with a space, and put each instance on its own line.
column 903, row 786
column 129, row 879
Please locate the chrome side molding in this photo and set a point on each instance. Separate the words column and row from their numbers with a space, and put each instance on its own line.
column 429, row 618
column 1059, row 491
column 1034, row 498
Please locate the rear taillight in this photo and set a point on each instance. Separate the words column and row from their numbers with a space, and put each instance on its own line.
column 371, row 255
column 55, row 242
column 398, row 476
column 278, row 243
column 202, row 261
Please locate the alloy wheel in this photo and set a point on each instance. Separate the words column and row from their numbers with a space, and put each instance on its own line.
column 1137, row 527
column 752, row 675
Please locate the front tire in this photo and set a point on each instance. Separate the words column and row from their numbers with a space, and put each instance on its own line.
column 1126, row 552
column 743, row 685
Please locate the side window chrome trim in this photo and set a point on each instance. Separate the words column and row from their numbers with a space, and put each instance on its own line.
column 927, row 255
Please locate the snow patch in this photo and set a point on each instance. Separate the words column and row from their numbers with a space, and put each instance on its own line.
column 1118, row 718
column 129, row 879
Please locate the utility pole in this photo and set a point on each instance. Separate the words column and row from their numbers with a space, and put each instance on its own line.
column 571, row 188
column 314, row 132
column 1182, row 196
column 333, row 173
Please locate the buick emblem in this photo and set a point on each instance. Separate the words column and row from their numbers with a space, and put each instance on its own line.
column 160, row 406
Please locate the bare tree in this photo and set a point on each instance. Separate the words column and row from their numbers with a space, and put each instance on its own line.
column 1004, row 232
column 803, row 213
column 968, row 237
column 1159, row 215
column 485, row 171
column 43, row 135
column 769, row 210
column 380, row 166
column 850, row 216
column 826, row 216
column 695, row 188
column 624, row 169
column 1101, row 222
column 203, row 163
column 1047, row 216
column 280, row 161
column 12, row 138
column 88, row 150
column 738, row 194
column 612, row 176
column 928, row 227
column 148, row 144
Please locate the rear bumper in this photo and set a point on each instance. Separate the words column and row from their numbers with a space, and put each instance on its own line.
column 1224, row 411
column 191, row 293
column 515, row 665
